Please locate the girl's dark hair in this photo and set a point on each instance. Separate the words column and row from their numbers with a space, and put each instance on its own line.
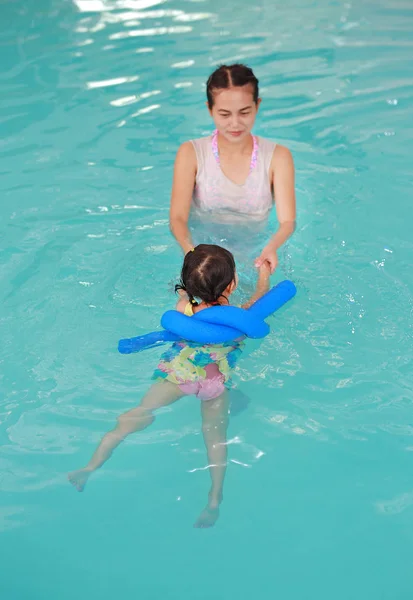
column 227, row 76
column 206, row 273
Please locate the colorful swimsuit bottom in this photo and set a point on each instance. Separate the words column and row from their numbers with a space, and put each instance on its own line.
column 204, row 371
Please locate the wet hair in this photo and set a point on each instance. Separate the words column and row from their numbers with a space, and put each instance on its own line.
column 227, row 76
column 206, row 273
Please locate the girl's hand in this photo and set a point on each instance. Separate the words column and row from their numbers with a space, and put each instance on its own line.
column 264, row 272
column 269, row 254
column 262, row 285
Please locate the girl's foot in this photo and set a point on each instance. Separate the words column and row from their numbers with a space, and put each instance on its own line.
column 208, row 517
column 79, row 478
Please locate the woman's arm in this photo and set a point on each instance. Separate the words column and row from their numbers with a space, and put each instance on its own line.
column 284, row 194
column 263, row 284
column 181, row 197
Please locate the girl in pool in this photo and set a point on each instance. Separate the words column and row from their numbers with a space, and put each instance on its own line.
column 233, row 176
column 208, row 278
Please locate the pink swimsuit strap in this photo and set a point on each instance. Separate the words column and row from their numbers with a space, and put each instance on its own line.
column 254, row 155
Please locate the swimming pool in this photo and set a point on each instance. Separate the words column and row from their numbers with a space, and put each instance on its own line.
column 96, row 95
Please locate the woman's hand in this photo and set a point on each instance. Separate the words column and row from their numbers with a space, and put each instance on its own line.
column 269, row 255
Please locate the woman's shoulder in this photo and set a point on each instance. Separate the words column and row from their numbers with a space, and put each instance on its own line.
column 194, row 142
column 201, row 144
column 282, row 155
column 186, row 148
column 263, row 141
column 194, row 151
column 191, row 147
column 275, row 155
column 203, row 139
column 278, row 152
column 186, row 154
column 282, row 162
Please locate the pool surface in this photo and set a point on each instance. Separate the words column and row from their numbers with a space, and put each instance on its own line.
column 96, row 96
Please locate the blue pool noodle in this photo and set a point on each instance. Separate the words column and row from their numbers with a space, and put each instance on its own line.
column 216, row 324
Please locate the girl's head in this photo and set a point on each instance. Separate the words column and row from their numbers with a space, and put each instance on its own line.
column 232, row 92
column 208, row 273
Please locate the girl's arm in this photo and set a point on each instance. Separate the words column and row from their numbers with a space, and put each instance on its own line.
column 181, row 197
column 263, row 284
column 284, row 194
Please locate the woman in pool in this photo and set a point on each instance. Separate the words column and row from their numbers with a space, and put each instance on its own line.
column 233, row 176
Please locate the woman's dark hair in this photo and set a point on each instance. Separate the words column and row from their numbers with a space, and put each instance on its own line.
column 227, row 76
column 206, row 273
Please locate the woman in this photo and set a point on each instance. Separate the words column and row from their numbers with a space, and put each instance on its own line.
column 233, row 176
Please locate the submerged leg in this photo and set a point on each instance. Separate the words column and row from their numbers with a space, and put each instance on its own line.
column 214, row 429
column 137, row 419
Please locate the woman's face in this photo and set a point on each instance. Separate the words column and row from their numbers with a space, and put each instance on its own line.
column 234, row 112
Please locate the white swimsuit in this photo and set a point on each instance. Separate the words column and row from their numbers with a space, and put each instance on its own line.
column 220, row 199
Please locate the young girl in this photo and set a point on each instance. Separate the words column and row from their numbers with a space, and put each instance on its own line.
column 231, row 177
column 208, row 278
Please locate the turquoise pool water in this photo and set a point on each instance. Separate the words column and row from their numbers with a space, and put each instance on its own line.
column 95, row 97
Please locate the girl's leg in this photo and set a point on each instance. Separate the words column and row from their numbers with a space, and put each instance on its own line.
column 214, row 429
column 137, row 419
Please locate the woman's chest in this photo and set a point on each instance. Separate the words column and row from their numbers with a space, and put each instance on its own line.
column 216, row 192
column 237, row 169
